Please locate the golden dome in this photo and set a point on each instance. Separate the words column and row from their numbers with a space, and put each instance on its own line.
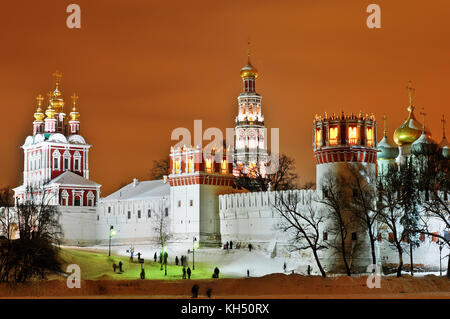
column 410, row 130
column 249, row 71
column 56, row 100
column 50, row 112
column 38, row 115
column 74, row 115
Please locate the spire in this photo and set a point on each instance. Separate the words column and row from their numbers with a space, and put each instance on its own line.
column 443, row 126
column 411, row 91
column 384, row 121
column 57, row 75
column 248, row 50
column 50, row 112
column 423, row 119
column 38, row 115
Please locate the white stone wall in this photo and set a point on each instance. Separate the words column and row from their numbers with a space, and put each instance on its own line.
column 134, row 229
column 78, row 225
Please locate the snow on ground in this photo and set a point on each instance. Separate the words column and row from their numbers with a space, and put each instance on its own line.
column 232, row 262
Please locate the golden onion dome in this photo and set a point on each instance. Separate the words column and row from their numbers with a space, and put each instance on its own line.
column 74, row 115
column 249, row 71
column 50, row 112
column 38, row 115
column 410, row 130
column 57, row 101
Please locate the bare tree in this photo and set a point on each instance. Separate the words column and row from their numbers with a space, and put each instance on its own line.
column 390, row 213
column 435, row 180
column 160, row 168
column 336, row 202
column 302, row 223
column 36, row 251
column 363, row 204
column 161, row 227
column 285, row 178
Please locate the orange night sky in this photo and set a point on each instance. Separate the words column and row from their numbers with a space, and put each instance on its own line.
column 143, row 68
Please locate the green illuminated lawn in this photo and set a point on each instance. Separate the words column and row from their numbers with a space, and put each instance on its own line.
column 99, row 266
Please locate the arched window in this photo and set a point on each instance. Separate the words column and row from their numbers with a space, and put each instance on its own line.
column 56, row 160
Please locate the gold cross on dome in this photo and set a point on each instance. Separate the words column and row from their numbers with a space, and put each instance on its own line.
column 39, row 99
column 57, row 75
column 443, row 125
column 248, row 49
column 74, row 98
column 423, row 118
column 411, row 91
column 384, row 120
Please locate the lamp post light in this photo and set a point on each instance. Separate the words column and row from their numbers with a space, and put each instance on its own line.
column 440, row 243
column 193, row 252
column 112, row 232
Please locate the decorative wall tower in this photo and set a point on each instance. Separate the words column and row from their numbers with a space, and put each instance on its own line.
column 342, row 144
column 250, row 155
column 338, row 140
column 196, row 180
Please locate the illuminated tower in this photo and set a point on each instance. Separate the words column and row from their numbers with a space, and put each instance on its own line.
column 196, row 179
column 250, row 154
column 342, row 140
column 345, row 145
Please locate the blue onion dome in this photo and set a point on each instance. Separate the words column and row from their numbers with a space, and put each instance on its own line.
column 444, row 148
column 386, row 149
column 424, row 145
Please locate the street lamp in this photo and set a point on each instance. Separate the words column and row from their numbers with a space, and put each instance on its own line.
column 112, row 232
column 193, row 254
column 440, row 243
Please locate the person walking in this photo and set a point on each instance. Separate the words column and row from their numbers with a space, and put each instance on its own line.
column 216, row 272
column 248, row 273
column 155, row 256
column 184, row 272
column 231, row 244
column 250, row 247
column 189, row 273
column 114, row 267
column 120, row 266
column 176, row 260
column 284, row 266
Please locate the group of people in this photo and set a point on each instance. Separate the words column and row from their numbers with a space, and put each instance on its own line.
column 118, row 266
column 229, row 245
column 187, row 272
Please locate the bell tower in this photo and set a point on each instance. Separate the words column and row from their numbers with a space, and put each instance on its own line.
column 250, row 156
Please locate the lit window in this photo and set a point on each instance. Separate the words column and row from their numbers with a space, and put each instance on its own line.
column 177, row 166
column 352, row 135
column 224, row 167
column 190, row 166
column 208, row 165
column 318, row 138
column 333, row 136
column 369, row 136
